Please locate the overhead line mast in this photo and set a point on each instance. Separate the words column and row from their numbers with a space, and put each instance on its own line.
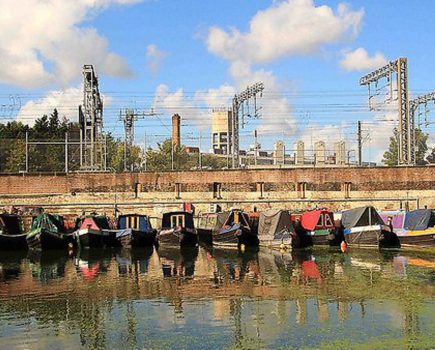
column 239, row 101
column 399, row 68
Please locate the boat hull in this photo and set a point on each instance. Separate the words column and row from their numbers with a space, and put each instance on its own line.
column 49, row 240
column 276, row 243
column 143, row 238
column 13, row 242
column 373, row 238
column 235, row 238
column 90, row 239
column 178, row 237
column 205, row 235
column 422, row 241
column 124, row 240
column 321, row 239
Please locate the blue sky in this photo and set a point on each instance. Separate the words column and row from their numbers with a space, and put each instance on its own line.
column 309, row 92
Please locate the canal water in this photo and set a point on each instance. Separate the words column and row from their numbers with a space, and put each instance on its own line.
column 215, row 299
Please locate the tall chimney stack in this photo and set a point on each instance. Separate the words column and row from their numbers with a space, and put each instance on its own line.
column 176, row 134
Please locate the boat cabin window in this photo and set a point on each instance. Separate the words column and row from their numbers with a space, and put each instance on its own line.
column 132, row 222
column 177, row 220
column 320, row 222
column 328, row 221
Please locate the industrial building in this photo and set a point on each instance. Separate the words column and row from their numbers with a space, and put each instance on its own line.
column 221, row 131
column 340, row 152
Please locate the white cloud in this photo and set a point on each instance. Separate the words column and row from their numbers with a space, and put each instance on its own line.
column 65, row 101
column 42, row 42
column 194, row 109
column 359, row 59
column 154, row 58
column 286, row 28
column 276, row 113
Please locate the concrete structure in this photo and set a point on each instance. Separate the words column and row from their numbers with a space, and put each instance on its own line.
column 154, row 192
column 221, row 130
column 176, row 130
column 320, row 152
column 340, row 152
column 300, row 153
column 279, row 153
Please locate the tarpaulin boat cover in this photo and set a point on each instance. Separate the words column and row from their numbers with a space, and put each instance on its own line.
column 363, row 216
column 50, row 222
column 229, row 220
column 310, row 220
column 274, row 221
column 419, row 219
column 398, row 218
column 188, row 219
column 135, row 222
column 220, row 220
column 10, row 224
column 98, row 222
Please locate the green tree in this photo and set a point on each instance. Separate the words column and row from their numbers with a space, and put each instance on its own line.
column 43, row 158
column 391, row 156
column 116, row 155
column 161, row 159
column 12, row 146
column 213, row 161
column 421, row 146
column 16, row 161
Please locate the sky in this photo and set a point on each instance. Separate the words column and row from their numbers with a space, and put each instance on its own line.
column 191, row 56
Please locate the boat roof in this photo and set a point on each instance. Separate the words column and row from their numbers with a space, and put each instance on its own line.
column 99, row 220
column 419, row 219
column 273, row 221
column 133, row 215
column 362, row 216
column 48, row 221
column 310, row 219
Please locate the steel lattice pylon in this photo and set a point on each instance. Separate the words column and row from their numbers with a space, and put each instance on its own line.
column 406, row 122
column 129, row 116
column 91, row 123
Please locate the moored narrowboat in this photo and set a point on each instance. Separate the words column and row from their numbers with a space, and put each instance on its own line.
column 364, row 227
column 94, row 231
column 205, row 225
column 135, row 230
column 48, row 232
column 178, row 229
column 11, row 235
column 275, row 229
column 235, row 231
column 414, row 229
column 319, row 224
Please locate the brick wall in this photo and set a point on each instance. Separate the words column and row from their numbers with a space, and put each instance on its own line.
column 317, row 179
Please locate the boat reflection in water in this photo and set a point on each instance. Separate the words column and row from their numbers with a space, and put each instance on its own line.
column 121, row 298
column 178, row 262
